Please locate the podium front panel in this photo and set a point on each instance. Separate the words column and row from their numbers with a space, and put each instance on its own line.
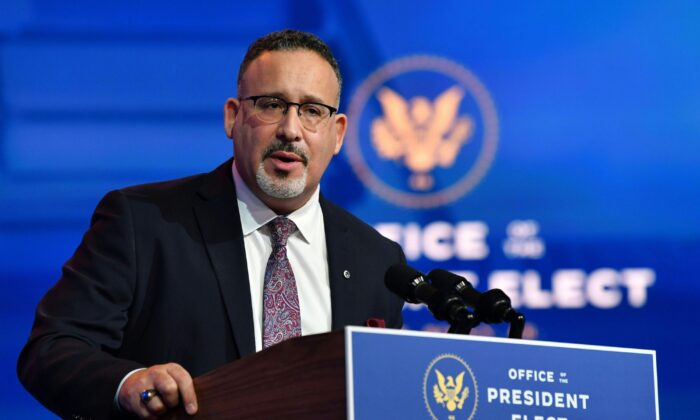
column 402, row 374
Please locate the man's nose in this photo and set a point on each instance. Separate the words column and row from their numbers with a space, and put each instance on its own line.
column 289, row 129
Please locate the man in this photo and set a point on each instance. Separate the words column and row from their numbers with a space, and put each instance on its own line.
column 177, row 278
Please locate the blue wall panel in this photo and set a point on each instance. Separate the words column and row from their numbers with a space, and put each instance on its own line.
column 112, row 78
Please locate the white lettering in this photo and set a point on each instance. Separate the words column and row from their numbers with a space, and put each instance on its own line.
column 522, row 241
column 491, row 394
column 504, row 396
column 559, row 400
column 572, row 288
column 533, row 295
column 470, row 240
column 567, row 286
column 602, row 288
column 437, row 241
column 637, row 280
column 516, row 394
column 531, row 375
column 522, row 228
column 547, row 399
column 537, row 398
column 584, row 400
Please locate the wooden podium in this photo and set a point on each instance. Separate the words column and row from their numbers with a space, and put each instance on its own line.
column 369, row 373
column 301, row 378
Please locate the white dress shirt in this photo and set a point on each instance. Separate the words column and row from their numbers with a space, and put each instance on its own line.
column 306, row 251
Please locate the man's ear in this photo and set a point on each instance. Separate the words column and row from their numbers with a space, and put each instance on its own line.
column 341, row 126
column 231, row 108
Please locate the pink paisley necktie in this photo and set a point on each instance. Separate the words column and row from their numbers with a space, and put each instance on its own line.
column 281, row 315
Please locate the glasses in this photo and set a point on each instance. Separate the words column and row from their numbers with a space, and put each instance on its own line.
column 271, row 109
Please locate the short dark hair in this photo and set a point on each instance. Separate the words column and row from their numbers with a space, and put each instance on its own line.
column 289, row 40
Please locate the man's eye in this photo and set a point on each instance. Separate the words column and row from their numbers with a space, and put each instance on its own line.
column 270, row 104
column 312, row 111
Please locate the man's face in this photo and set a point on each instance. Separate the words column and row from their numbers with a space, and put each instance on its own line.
column 282, row 163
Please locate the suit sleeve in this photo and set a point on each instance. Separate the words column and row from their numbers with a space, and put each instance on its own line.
column 69, row 362
column 396, row 317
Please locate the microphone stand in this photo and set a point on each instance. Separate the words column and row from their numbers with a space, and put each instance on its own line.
column 467, row 321
column 464, row 324
column 517, row 324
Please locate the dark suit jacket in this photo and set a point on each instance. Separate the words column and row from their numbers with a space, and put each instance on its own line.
column 161, row 276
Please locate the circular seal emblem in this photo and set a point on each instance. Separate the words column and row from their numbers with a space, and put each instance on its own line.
column 423, row 131
column 449, row 389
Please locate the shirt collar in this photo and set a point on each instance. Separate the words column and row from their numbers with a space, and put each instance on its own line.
column 255, row 214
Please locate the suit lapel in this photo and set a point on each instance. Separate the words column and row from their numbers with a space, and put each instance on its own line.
column 219, row 221
column 341, row 259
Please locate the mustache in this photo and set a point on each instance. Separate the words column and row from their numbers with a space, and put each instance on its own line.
column 289, row 148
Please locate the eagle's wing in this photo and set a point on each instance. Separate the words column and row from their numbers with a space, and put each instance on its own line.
column 387, row 144
column 439, row 396
column 449, row 149
column 441, row 381
column 395, row 110
column 463, row 397
column 446, row 108
column 458, row 383
column 391, row 132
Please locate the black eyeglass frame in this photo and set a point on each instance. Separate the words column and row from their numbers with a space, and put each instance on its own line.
column 287, row 103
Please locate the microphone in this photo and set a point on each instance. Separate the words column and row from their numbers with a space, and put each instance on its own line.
column 411, row 286
column 492, row 306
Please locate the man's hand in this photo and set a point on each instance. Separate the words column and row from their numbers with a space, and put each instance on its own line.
column 173, row 384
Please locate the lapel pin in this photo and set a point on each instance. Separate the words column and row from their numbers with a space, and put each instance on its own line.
column 346, row 274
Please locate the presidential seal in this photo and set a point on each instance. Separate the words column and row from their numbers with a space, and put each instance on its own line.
column 423, row 131
column 449, row 389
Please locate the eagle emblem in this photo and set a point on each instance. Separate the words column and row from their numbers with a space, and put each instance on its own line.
column 424, row 133
column 450, row 392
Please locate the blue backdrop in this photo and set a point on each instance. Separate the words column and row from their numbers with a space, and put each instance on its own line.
column 573, row 181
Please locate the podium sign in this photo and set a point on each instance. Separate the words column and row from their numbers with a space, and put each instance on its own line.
column 406, row 374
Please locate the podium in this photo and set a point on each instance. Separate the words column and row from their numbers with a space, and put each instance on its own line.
column 369, row 373
column 301, row 378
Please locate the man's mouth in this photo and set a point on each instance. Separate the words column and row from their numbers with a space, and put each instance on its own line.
column 286, row 157
column 287, row 154
column 285, row 162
